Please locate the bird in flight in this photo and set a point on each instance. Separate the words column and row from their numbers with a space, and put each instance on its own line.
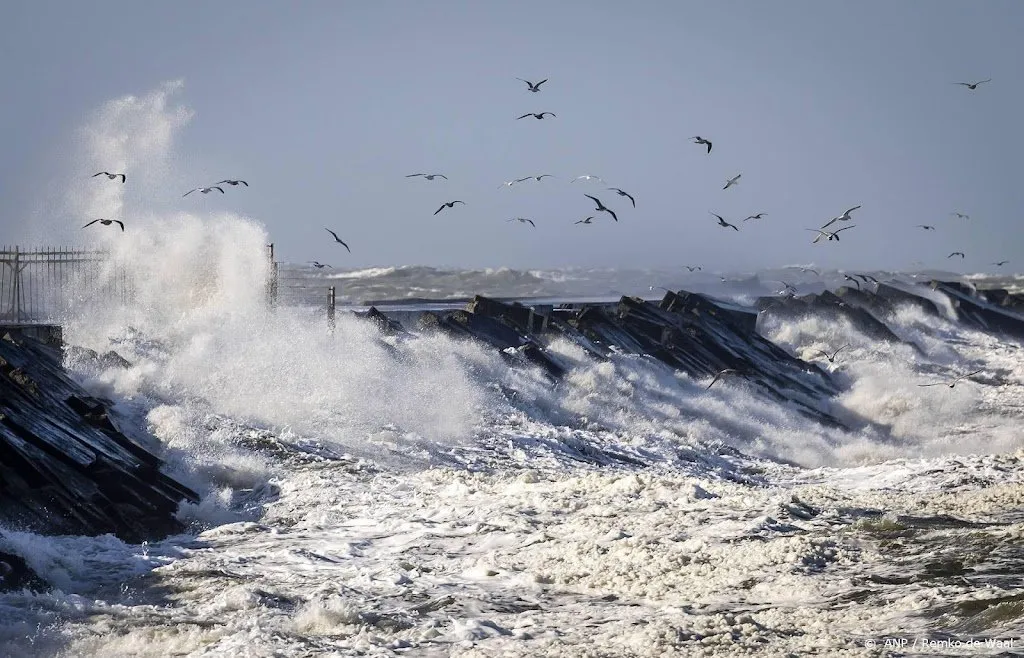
column 522, row 220
column 588, row 220
column 693, row 267
column 957, row 253
column 536, row 115
column 697, row 139
column 757, row 216
column 337, row 239
column 831, row 235
column 448, row 204
column 536, row 178
column 107, row 222
column 587, row 177
column 601, row 207
column 205, row 190
column 533, row 87
column 508, row 183
column 926, row 227
column 111, row 176
column 319, row 266
column 723, row 223
column 951, row 383
column 845, row 217
column 428, row 176
column 233, row 183
column 625, row 194
column 1001, row 263
column 973, row 85
column 808, row 269
column 722, row 373
column 832, row 357
column 960, row 215
column 850, row 278
column 732, row 181
column 867, row 278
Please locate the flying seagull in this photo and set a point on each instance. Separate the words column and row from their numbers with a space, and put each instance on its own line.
column 831, row 235
column 588, row 220
column 808, row 269
column 732, row 181
column 832, row 357
column 867, row 278
column 337, row 239
column 850, row 278
column 106, row 222
column 1001, row 263
column 587, row 177
column 233, row 183
column 111, row 176
column 693, row 267
column 926, row 227
column 973, row 85
column 960, row 215
column 448, row 204
column 536, row 178
column 957, row 253
column 601, row 207
column 533, row 87
column 205, row 190
column 536, row 115
column 625, row 194
column 723, row 223
column 845, row 217
column 320, row 266
column 951, row 383
column 428, row 176
column 722, row 373
column 697, row 139
column 522, row 220
column 757, row 216
column 508, row 183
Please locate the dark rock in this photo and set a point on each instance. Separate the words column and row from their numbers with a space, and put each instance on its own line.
column 15, row 574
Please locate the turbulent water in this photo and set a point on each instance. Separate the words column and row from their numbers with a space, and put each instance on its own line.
column 369, row 495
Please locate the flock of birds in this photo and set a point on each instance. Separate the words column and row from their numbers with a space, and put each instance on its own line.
column 823, row 232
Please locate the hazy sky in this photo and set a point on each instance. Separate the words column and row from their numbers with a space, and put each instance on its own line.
column 324, row 107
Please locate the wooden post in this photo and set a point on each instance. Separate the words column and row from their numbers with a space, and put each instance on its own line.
column 330, row 307
column 272, row 284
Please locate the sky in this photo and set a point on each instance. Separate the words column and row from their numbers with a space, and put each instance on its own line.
column 325, row 106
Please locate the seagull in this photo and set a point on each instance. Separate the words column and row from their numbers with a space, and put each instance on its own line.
column 536, row 178
column 337, row 239
column 845, row 217
column 951, row 383
column 106, row 222
column 832, row 357
column 428, row 176
column 926, row 227
column 697, row 139
column 233, row 182
column 757, row 216
column 586, row 177
column 522, row 220
column 205, row 190
column 973, row 85
column 320, row 266
column 960, row 215
column 723, row 223
column 536, row 116
column 722, row 373
column 110, row 176
column 625, row 194
column 534, row 87
column 508, row 183
column 867, row 278
column 448, row 204
column 693, row 267
column 1001, row 263
column 732, row 181
column 957, row 253
column 588, row 220
column 831, row 235
column 601, row 207
column 850, row 278
column 805, row 269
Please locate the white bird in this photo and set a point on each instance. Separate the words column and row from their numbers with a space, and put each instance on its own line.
column 831, row 235
column 533, row 87
column 233, row 183
column 732, row 181
column 106, row 222
column 536, row 178
column 319, row 266
column 522, row 220
column 697, row 139
column 205, row 190
column 428, row 176
column 722, row 373
column 973, row 85
column 757, row 216
column 111, row 176
column 951, row 383
column 588, row 220
column 536, row 115
column 845, row 217
column 587, row 177
column 832, row 357
column 960, row 215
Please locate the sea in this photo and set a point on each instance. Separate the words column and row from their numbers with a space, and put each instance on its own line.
column 413, row 494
